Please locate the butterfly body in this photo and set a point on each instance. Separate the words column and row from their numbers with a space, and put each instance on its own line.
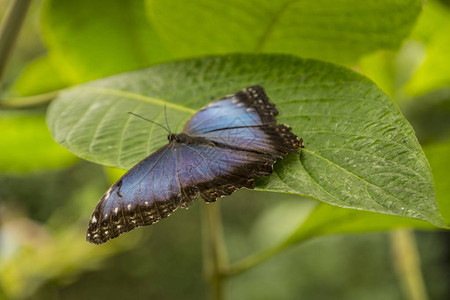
column 222, row 148
column 183, row 138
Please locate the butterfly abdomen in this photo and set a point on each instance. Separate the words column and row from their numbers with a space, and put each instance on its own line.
column 183, row 138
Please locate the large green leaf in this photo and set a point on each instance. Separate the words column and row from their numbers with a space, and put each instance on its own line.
column 359, row 151
column 341, row 30
column 326, row 219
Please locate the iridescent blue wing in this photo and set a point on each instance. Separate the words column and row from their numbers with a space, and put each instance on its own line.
column 147, row 193
column 172, row 177
column 246, row 121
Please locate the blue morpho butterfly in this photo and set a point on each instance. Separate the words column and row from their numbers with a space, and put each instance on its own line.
column 222, row 148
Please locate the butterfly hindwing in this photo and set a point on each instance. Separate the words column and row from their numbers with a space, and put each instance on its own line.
column 244, row 120
column 214, row 172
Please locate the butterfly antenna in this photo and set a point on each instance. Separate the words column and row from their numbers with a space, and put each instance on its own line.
column 151, row 121
column 167, row 122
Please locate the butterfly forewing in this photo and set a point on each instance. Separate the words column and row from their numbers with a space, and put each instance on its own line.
column 244, row 120
column 144, row 195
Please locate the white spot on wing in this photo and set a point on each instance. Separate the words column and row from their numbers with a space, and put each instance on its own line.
column 129, row 206
column 94, row 219
column 108, row 193
column 116, row 210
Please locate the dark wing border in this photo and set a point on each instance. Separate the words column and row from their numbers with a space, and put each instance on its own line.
column 255, row 97
column 101, row 229
column 280, row 135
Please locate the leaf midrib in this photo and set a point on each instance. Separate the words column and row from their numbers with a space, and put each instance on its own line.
column 268, row 31
column 135, row 96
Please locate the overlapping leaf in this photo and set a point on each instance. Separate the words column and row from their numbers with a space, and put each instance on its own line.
column 339, row 31
column 85, row 44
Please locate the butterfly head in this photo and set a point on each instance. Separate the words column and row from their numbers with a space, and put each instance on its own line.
column 172, row 136
column 179, row 138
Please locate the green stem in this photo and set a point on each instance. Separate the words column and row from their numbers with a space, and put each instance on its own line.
column 31, row 101
column 215, row 260
column 9, row 31
column 407, row 264
column 253, row 260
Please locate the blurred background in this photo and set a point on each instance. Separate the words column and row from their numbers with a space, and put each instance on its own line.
column 47, row 194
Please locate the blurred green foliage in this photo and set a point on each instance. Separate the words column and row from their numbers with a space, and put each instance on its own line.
column 47, row 195
column 432, row 30
column 35, row 141
column 439, row 158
